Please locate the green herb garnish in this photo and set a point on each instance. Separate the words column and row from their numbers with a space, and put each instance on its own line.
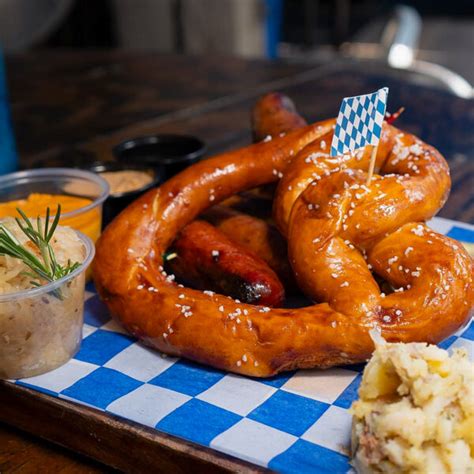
column 45, row 267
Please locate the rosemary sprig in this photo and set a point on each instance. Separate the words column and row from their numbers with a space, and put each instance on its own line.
column 45, row 267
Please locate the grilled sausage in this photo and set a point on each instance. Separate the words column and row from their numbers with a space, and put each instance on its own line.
column 260, row 237
column 208, row 260
column 275, row 114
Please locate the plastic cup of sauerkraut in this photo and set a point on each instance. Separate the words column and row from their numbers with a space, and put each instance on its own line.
column 41, row 327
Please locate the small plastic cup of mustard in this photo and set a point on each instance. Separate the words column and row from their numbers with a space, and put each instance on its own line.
column 41, row 328
column 80, row 193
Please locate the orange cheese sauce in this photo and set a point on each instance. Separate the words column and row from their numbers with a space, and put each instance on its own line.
column 35, row 204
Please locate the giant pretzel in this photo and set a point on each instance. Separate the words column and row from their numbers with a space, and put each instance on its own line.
column 340, row 233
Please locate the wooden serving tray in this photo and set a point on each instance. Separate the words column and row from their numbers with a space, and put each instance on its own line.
column 121, row 444
column 131, row 447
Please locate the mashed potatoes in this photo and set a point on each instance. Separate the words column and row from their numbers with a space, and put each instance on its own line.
column 415, row 413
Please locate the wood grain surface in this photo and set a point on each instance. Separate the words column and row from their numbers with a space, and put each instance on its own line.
column 61, row 98
column 23, row 453
column 65, row 102
column 121, row 444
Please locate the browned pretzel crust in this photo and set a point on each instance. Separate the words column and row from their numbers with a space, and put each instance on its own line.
column 336, row 228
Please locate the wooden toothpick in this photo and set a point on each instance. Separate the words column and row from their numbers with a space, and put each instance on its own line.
column 372, row 164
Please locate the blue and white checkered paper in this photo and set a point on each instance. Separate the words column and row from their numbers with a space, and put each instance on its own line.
column 359, row 122
column 296, row 422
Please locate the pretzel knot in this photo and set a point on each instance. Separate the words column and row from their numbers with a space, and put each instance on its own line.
column 341, row 232
column 347, row 242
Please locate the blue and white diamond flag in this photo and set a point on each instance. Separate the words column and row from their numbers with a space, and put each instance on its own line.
column 359, row 122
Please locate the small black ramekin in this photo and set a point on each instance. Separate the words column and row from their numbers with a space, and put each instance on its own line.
column 168, row 154
column 115, row 203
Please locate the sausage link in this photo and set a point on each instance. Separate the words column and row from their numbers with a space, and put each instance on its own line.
column 275, row 114
column 260, row 237
column 208, row 260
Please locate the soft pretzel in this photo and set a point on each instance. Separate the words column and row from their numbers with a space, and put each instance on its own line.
column 337, row 228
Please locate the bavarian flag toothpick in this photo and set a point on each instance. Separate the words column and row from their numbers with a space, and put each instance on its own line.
column 359, row 124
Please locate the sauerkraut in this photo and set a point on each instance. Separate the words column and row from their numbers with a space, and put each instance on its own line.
column 38, row 330
column 66, row 245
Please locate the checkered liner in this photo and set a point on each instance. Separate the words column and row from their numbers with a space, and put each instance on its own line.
column 294, row 422
column 359, row 122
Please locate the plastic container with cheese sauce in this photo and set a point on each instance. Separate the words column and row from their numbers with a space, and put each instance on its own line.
column 80, row 193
